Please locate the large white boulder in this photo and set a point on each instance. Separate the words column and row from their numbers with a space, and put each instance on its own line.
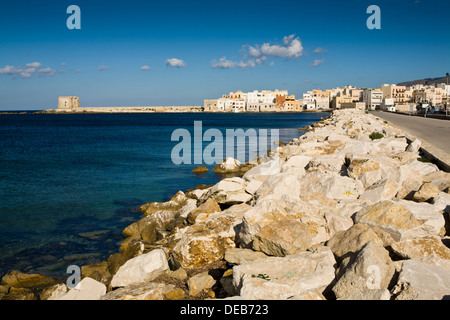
column 331, row 184
column 265, row 169
column 403, row 219
column 140, row 269
column 422, row 281
column 284, row 277
column 86, row 289
column 228, row 165
column 279, row 185
column 207, row 241
column 380, row 191
column 370, row 268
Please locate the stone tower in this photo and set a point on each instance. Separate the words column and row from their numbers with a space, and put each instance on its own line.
column 68, row 102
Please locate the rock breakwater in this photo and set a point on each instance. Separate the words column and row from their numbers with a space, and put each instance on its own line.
column 334, row 214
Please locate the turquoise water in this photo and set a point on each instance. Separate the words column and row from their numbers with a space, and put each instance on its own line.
column 63, row 177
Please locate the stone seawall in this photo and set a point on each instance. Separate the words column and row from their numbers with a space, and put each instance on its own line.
column 151, row 109
column 347, row 211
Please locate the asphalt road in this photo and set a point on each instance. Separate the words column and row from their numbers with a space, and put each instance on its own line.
column 434, row 131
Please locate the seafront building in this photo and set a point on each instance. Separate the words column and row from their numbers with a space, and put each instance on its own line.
column 388, row 97
column 68, row 103
column 254, row 101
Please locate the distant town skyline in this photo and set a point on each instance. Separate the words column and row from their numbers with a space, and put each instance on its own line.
column 179, row 53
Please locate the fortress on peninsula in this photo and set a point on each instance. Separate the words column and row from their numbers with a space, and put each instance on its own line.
column 71, row 104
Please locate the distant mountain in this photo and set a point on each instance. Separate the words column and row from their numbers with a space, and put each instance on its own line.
column 428, row 81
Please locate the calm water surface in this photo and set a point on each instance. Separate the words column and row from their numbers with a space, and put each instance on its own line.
column 69, row 184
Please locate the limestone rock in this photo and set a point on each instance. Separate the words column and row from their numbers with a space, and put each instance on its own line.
column 160, row 219
column 439, row 178
column 284, row 277
column 279, row 185
column 430, row 215
column 380, row 191
column 200, row 282
column 174, row 204
column 312, row 294
column 401, row 219
column 414, row 146
column 421, row 248
column 426, row 192
column 141, row 269
column 150, row 291
column 240, row 255
column 228, row 165
column 253, row 186
column 298, row 161
column 328, row 162
column 86, row 289
column 318, row 199
column 270, row 211
column 346, row 243
column 53, row 292
column 423, row 281
column 207, row 241
column 179, row 274
column 175, row 294
column 200, row 169
column 375, row 294
column 265, row 169
column 228, row 191
column 206, row 208
column 97, row 271
column 26, row 280
column 359, row 166
column 368, row 268
column 283, row 238
column 424, row 168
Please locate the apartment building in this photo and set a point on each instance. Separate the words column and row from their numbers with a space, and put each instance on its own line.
column 373, row 98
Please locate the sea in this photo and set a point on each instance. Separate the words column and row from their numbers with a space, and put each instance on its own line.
column 70, row 183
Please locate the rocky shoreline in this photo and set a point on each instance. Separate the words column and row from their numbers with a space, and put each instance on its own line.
column 348, row 211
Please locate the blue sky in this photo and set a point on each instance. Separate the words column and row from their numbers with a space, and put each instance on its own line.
column 220, row 46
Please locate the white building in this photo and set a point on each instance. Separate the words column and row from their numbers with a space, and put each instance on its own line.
column 254, row 100
column 308, row 97
column 388, row 105
column 445, row 87
column 238, row 105
column 373, row 98
column 322, row 102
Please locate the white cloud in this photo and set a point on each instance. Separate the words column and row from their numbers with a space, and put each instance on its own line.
column 174, row 62
column 33, row 65
column 146, row 67
column 254, row 52
column 320, row 50
column 317, row 62
column 63, row 64
column 26, row 71
column 291, row 48
column 47, row 72
column 247, row 64
column 8, row 70
column 288, row 39
column 102, row 67
column 78, row 71
column 223, row 63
